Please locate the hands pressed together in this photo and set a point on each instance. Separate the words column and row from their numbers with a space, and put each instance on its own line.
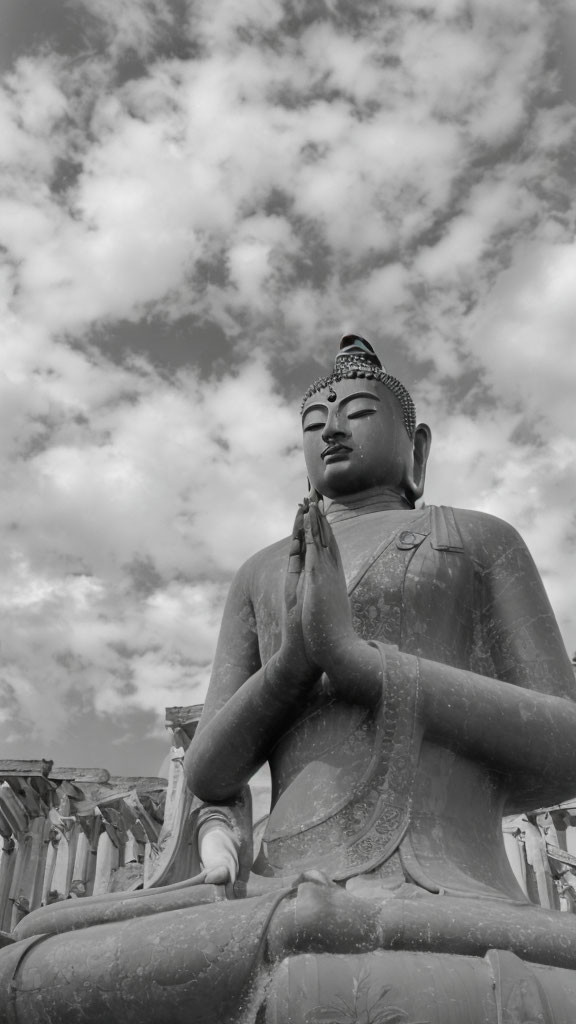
column 317, row 624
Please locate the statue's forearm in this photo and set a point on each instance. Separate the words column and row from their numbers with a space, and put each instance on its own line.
column 511, row 728
column 483, row 718
column 228, row 749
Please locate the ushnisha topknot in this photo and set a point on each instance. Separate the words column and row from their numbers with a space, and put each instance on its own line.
column 357, row 358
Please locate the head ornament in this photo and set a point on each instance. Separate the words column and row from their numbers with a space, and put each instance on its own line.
column 357, row 358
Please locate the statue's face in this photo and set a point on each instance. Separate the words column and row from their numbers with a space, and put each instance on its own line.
column 357, row 442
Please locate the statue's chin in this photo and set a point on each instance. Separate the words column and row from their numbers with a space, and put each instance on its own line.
column 341, row 479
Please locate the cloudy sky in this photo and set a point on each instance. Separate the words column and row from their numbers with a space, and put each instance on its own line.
column 198, row 198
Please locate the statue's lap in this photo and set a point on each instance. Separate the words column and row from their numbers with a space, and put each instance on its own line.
column 419, row 988
column 311, row 954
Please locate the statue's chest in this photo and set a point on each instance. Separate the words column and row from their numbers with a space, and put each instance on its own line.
column 360, row 540
column 375, row 567
column 407, row 591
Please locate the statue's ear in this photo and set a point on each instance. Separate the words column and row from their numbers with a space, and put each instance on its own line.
column 420, row 450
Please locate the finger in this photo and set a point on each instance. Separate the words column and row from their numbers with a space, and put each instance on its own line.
column 292, row 579
column 312, row 548
column 330, row 540
column 295, row 556
column 299, row 517
column 291, row 590
column 296, row 552
column 308, row 536
column 315, row 527
column 327, row 537
column 324, row 528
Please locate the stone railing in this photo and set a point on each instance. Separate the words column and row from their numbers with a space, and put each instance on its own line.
column 70, row 833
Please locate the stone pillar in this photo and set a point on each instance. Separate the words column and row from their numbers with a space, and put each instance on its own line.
column 17, row 897
column 58, row 886
column 81, row 870
column 7, row 865
column 51, row 854
column 571, row 839
column 107, row 860
column 133, row 850
column 31, row 881
column 516, row 856
column 64, row 867
column 537, row 857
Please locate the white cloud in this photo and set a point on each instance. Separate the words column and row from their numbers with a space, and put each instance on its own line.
column 371, row 137
column 501, row 460
column 526, row 334
column 129, row 501
column 407, row 174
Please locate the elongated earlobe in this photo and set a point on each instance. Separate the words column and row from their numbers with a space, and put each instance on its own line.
column 416, row 474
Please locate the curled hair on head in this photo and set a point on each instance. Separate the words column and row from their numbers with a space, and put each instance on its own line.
column 357, row 359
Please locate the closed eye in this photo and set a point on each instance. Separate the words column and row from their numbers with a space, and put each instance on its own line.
column 361, row 412
column 314, row 426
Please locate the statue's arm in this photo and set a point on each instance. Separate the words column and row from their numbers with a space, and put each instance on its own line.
column 249, row 706
column 231, row 746
column 518, row 625
column 526, row 735
column 524, row 719
column 520, row 732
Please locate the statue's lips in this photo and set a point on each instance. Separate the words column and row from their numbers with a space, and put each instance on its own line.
column 336, row 453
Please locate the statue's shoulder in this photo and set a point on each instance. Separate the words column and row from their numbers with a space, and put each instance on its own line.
column 484, row 536
column 265, row 563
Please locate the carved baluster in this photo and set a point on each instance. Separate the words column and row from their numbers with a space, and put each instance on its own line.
column 32, row 879
column 571, row 833
column 107, row 860
column 7, row 865
column 54, row 837
column 58, row 890
column 80, row 873
column 515, row 849
column 537, row 858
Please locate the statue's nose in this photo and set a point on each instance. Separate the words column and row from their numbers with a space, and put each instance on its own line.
column 335, row 427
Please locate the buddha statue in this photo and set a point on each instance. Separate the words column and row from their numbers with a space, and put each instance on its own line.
column 401, row 671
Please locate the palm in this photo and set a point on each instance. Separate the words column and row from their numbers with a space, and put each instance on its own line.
column 294, row 649
column 326, row 612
